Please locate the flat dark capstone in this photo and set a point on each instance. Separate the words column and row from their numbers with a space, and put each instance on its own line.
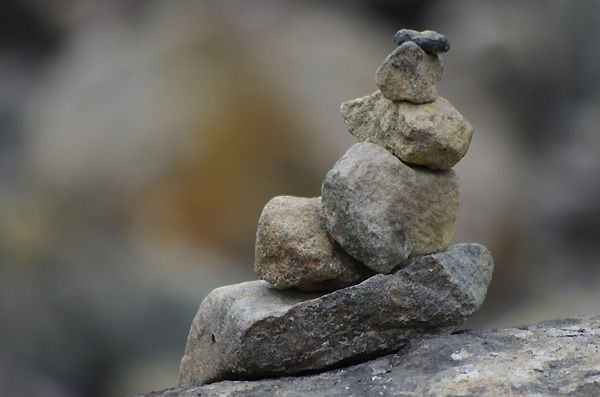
column 430, row 41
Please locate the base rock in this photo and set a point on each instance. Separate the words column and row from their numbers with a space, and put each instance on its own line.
column 249, row 330
column 558, row 358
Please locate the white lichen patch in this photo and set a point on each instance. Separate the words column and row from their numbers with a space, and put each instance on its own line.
column 592, row 379
column 522, row 333
column 538, row 366
column 460, row 355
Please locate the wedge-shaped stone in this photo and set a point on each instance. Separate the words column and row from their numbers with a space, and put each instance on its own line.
column 434, row 135
column 249, row 330
column 383, row 212
column 293, row 248
column 410, row 74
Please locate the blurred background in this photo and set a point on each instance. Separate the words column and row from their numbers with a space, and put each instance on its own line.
column 139, row 141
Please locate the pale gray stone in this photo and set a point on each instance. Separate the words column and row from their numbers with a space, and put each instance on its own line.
column 293, row 248
column 382, row 211
column 250, row 330
column 434, row 135
column 410, row 74
column 430, row 41
column 553, row 358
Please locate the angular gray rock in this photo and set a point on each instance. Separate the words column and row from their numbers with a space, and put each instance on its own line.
column 249, row 330
column 293, row 248
column 554, row 358
column 410, row 74
column 434, row 135
column 382, row 211
column 430, row 41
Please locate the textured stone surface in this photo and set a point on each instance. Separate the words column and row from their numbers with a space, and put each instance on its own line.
column 430, row 41
column 554, row 358
column 434, row 135
column 250, row 330
column 293, row 248
column 410, row 74
column 382, row 211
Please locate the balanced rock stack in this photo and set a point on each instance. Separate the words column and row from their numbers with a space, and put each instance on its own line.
column 366, row 267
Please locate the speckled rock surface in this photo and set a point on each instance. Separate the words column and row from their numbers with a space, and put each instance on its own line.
column 249, row 330
column 382, row 211
column 554, row 358
column 293, row 248
column 410, row 74
column 434, row 135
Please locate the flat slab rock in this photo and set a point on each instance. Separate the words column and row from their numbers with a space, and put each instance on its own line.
column 248, row 330
column 383, row 212
column 434, row 135
column 557, row 358
column 293, row 248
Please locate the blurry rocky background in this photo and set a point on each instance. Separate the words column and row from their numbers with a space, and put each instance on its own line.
column 139, row 141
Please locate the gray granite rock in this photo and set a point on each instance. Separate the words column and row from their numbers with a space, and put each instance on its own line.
column 430, row 41
column 434, row 135
column 249, row 330
column 410, row 74
column 382, row 211
column 293, row 248
column 554, row 358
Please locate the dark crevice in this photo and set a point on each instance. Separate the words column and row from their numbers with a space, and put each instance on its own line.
column 345, row 363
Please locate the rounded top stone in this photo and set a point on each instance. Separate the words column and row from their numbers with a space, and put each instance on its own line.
column 430, row 41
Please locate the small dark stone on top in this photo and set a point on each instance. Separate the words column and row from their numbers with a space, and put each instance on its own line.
column 404, row 35
column 430, row 41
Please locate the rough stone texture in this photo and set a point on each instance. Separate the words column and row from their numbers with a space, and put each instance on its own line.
column 410, row 74
column 430, row 41
column 556, row 358
column 382, row 211
column 434, row 135
column 293, row 248
column 249, row 330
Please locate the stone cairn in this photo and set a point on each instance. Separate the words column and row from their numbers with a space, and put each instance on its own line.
column 366, row 267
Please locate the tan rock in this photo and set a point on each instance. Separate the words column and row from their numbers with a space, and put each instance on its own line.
column 410, row 74
column 383, row 212
column 293, row 248
column 434, row 135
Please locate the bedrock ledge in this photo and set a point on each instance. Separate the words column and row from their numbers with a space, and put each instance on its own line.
column 559, row 357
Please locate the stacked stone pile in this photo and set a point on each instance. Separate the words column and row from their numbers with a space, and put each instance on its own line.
column 356, row 273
